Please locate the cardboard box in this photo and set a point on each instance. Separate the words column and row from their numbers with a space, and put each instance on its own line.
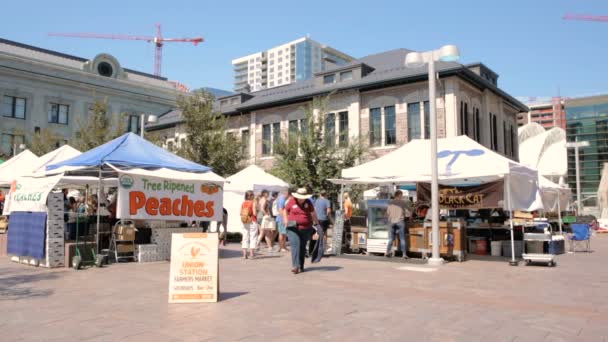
column 125, row 248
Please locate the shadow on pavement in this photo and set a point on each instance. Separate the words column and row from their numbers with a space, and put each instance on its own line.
column 13, row 287
column 229, row 295
column 260, row 257
column 323, row 268
column 230, row 253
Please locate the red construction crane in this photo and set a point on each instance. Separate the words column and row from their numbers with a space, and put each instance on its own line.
column 158, row 41
column 586, row 17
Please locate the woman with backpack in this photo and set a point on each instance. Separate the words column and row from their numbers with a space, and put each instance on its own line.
column 250, row 225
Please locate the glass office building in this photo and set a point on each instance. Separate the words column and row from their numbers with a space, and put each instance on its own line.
column 587, row 120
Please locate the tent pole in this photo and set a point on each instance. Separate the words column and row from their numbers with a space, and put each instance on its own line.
column 512, row 262
column 98, row 208
column 559, row 213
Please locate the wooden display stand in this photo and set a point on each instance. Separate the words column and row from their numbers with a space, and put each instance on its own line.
column 452, row 239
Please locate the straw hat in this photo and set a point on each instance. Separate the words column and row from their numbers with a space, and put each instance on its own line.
column 301, row 193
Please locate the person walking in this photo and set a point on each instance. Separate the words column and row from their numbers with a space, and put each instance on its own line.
column 323, row 211
column 300, row 216
column 398, row 214
column 264, row 220
column 250, row 227
column 348, row 213
column 284, row 196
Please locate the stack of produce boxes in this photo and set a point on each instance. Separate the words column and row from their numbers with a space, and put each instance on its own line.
column 162, row 239
column 54, row 249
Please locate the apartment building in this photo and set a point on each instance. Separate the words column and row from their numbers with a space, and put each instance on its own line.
column 44, row 89
column 547, row 112
column 292, row 62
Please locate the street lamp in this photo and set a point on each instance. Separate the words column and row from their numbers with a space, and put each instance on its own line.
column 151, row 119
column 21, row 148
column 576, row 145
column 447, row 53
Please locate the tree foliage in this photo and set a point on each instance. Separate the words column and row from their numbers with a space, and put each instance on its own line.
column 207, row 142
column 97, row 128
column 306, row 159
column 45, row 141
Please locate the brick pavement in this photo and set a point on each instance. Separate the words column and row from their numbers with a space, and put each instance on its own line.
column 358, row 300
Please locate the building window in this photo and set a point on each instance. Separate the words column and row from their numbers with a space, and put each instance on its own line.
column 427, row 120
column 375, row 127
column 329, row 79
column 245, row 142
column 330, row 129
column 13, row 107
column 266, row 140
column 304, row 126
column 466, row 119
column 346, row 75
column 512, row 138
column 461, row 119
column 494, row 133
column 280, row 60
column 413, row 121
column 504, row 139
column 58, row 113
column 477, row 126
column 271, row 84
column 276, row 135
column 390, row 129
column 9, row 142
column 343, row 129
column 134, row 123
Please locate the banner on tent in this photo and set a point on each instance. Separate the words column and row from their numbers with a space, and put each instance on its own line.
column 30, row 193
column 489, row 195
column 157, row 198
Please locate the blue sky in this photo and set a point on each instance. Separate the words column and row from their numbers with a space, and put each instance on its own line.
column 526, row 42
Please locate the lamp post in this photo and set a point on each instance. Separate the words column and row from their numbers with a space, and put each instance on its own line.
column 151, row 119
column 447, row 53
column 21, row 148
column 576, row 145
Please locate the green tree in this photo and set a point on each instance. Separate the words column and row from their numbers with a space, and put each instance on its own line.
column 97, row 128
column 44, row 141
column 309, row 158
column 207, row 142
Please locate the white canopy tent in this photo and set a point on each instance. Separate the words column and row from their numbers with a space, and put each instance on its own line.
column 251, row 178
column 14, row 167
column 62, row 153
column 461, row 161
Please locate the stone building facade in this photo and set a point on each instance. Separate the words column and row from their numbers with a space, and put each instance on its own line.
column 379, row 100
column 43, row 89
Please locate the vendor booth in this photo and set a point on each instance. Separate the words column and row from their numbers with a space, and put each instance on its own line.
column 478, row 187
column 251, row 178
column 156, row 191
column 16, row 166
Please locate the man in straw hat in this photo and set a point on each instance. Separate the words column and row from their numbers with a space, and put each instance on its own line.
column 300, row 216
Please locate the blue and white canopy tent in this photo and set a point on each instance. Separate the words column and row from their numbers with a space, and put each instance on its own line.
column 132, row 154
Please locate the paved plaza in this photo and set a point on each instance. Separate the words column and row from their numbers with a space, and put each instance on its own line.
column 338, row 300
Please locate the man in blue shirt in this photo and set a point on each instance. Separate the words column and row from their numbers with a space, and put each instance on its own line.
column 281, row 226
column 323, row 210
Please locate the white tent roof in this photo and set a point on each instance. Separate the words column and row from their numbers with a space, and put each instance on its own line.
column 14, row 167
column 545, row 151
column 461, row 160
column 64, row 152
column 254, row 177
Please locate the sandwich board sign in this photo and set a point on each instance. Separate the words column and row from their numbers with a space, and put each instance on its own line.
column 194, row 268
